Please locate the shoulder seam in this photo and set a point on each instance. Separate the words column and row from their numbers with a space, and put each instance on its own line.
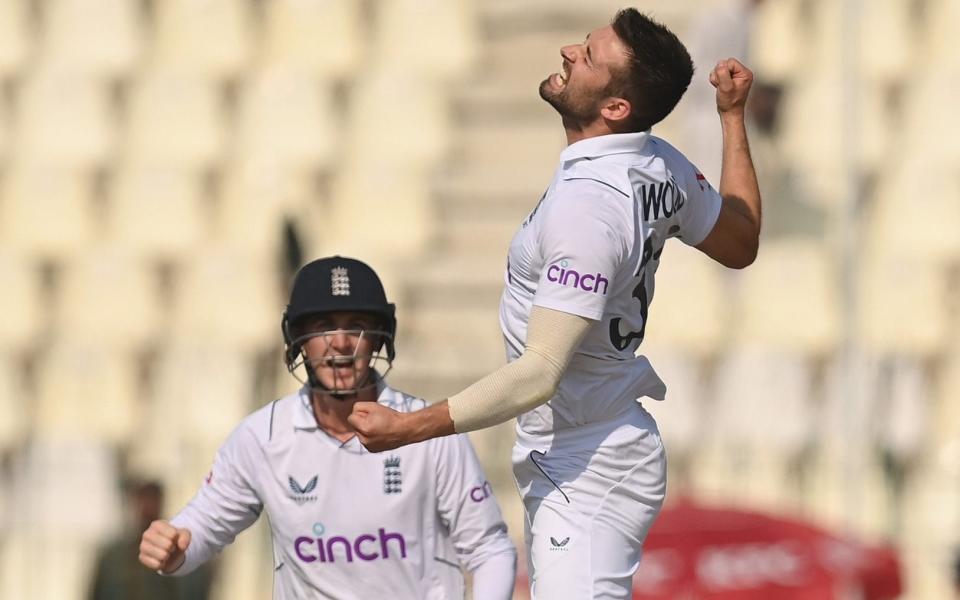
column 619, row 191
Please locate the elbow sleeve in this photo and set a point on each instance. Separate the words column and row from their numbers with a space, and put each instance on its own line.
column 529, row 381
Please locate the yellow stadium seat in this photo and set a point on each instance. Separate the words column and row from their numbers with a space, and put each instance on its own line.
column 887, row 50
column 689, row 310
column 46, row 211
column 413, row 129
column 917, row 215
column 939, row 36
column 100, row 38
column 777, row 40
column 204, row 389
column 931, row 119
column 761, row 421
column 902, row 305
column 21, row 318
column 107, row 294
column 788, row 299
column 14, row 403
column 175, row 119
column 822, row 99
column 157, row 212
column 287, row 118
column 316, row 37
column 26, row 577
column 85, row 388
column 906, row 419
column 229, row 295
column 6, row 129
column 946, row 419
column 357, row 198
column 845, row 477
column 430, row 37
column 682, row 417
column 14, row 36
column 78, row 133
column 254, row 201
column 764, row 401
column 203, row 37
column 76, row 471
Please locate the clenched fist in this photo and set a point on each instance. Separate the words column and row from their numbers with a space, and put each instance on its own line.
column 163, row 547
column 733, row 81
column 378, row 427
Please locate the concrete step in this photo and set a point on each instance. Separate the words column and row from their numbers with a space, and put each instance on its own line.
column 458, row 281
column 530, row 145
column 450, row 341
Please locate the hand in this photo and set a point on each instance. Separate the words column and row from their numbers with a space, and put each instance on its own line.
column 163, row 547
column 378, row 427
column 733, row 81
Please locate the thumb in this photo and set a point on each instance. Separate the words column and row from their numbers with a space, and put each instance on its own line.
column 183, row 539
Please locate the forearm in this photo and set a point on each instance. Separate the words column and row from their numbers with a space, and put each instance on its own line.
column 738, row 179
column 516, row 388
column 495, row 577
column 529, row 381
column 512, row 390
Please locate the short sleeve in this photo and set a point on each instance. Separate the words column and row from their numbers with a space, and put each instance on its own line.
column 702, row 208
column 582, row 241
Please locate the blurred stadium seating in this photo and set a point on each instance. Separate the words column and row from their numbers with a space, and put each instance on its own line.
column 151, row 152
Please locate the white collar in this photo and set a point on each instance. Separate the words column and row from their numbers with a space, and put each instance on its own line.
column 604, row 145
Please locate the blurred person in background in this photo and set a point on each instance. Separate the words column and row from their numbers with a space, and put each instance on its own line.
column 119, row 576
column 346, row 523
column 589, row 461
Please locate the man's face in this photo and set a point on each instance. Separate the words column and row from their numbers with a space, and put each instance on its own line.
column 341, row 348
column 578, row 90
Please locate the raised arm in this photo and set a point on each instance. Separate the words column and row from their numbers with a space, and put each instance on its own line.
column 735, row 238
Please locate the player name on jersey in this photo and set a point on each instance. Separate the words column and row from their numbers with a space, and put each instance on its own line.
column 665, row 196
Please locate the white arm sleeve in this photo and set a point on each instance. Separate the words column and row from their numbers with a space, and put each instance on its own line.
column 495, row 578
column 529, row 381
column 468, row 508
column 225, row 505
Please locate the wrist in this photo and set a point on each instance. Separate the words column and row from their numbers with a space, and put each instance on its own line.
column 733, row 116
column 431, row 422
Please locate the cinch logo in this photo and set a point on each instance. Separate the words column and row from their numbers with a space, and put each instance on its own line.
column 481, row 492
column 366, row 547
column 568, row 277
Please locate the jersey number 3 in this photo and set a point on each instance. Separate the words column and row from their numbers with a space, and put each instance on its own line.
column 620, row 341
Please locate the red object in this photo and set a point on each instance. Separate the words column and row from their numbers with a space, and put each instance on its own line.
column 695, row 552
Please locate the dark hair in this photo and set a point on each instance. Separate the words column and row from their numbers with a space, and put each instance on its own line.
column 658, row 69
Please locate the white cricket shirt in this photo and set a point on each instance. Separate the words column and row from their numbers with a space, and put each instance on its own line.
column 347, row 523
column 591, row 247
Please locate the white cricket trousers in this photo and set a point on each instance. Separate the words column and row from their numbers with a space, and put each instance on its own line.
column 590, row 494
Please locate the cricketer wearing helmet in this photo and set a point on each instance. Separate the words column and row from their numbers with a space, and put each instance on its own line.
column 345, row 523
